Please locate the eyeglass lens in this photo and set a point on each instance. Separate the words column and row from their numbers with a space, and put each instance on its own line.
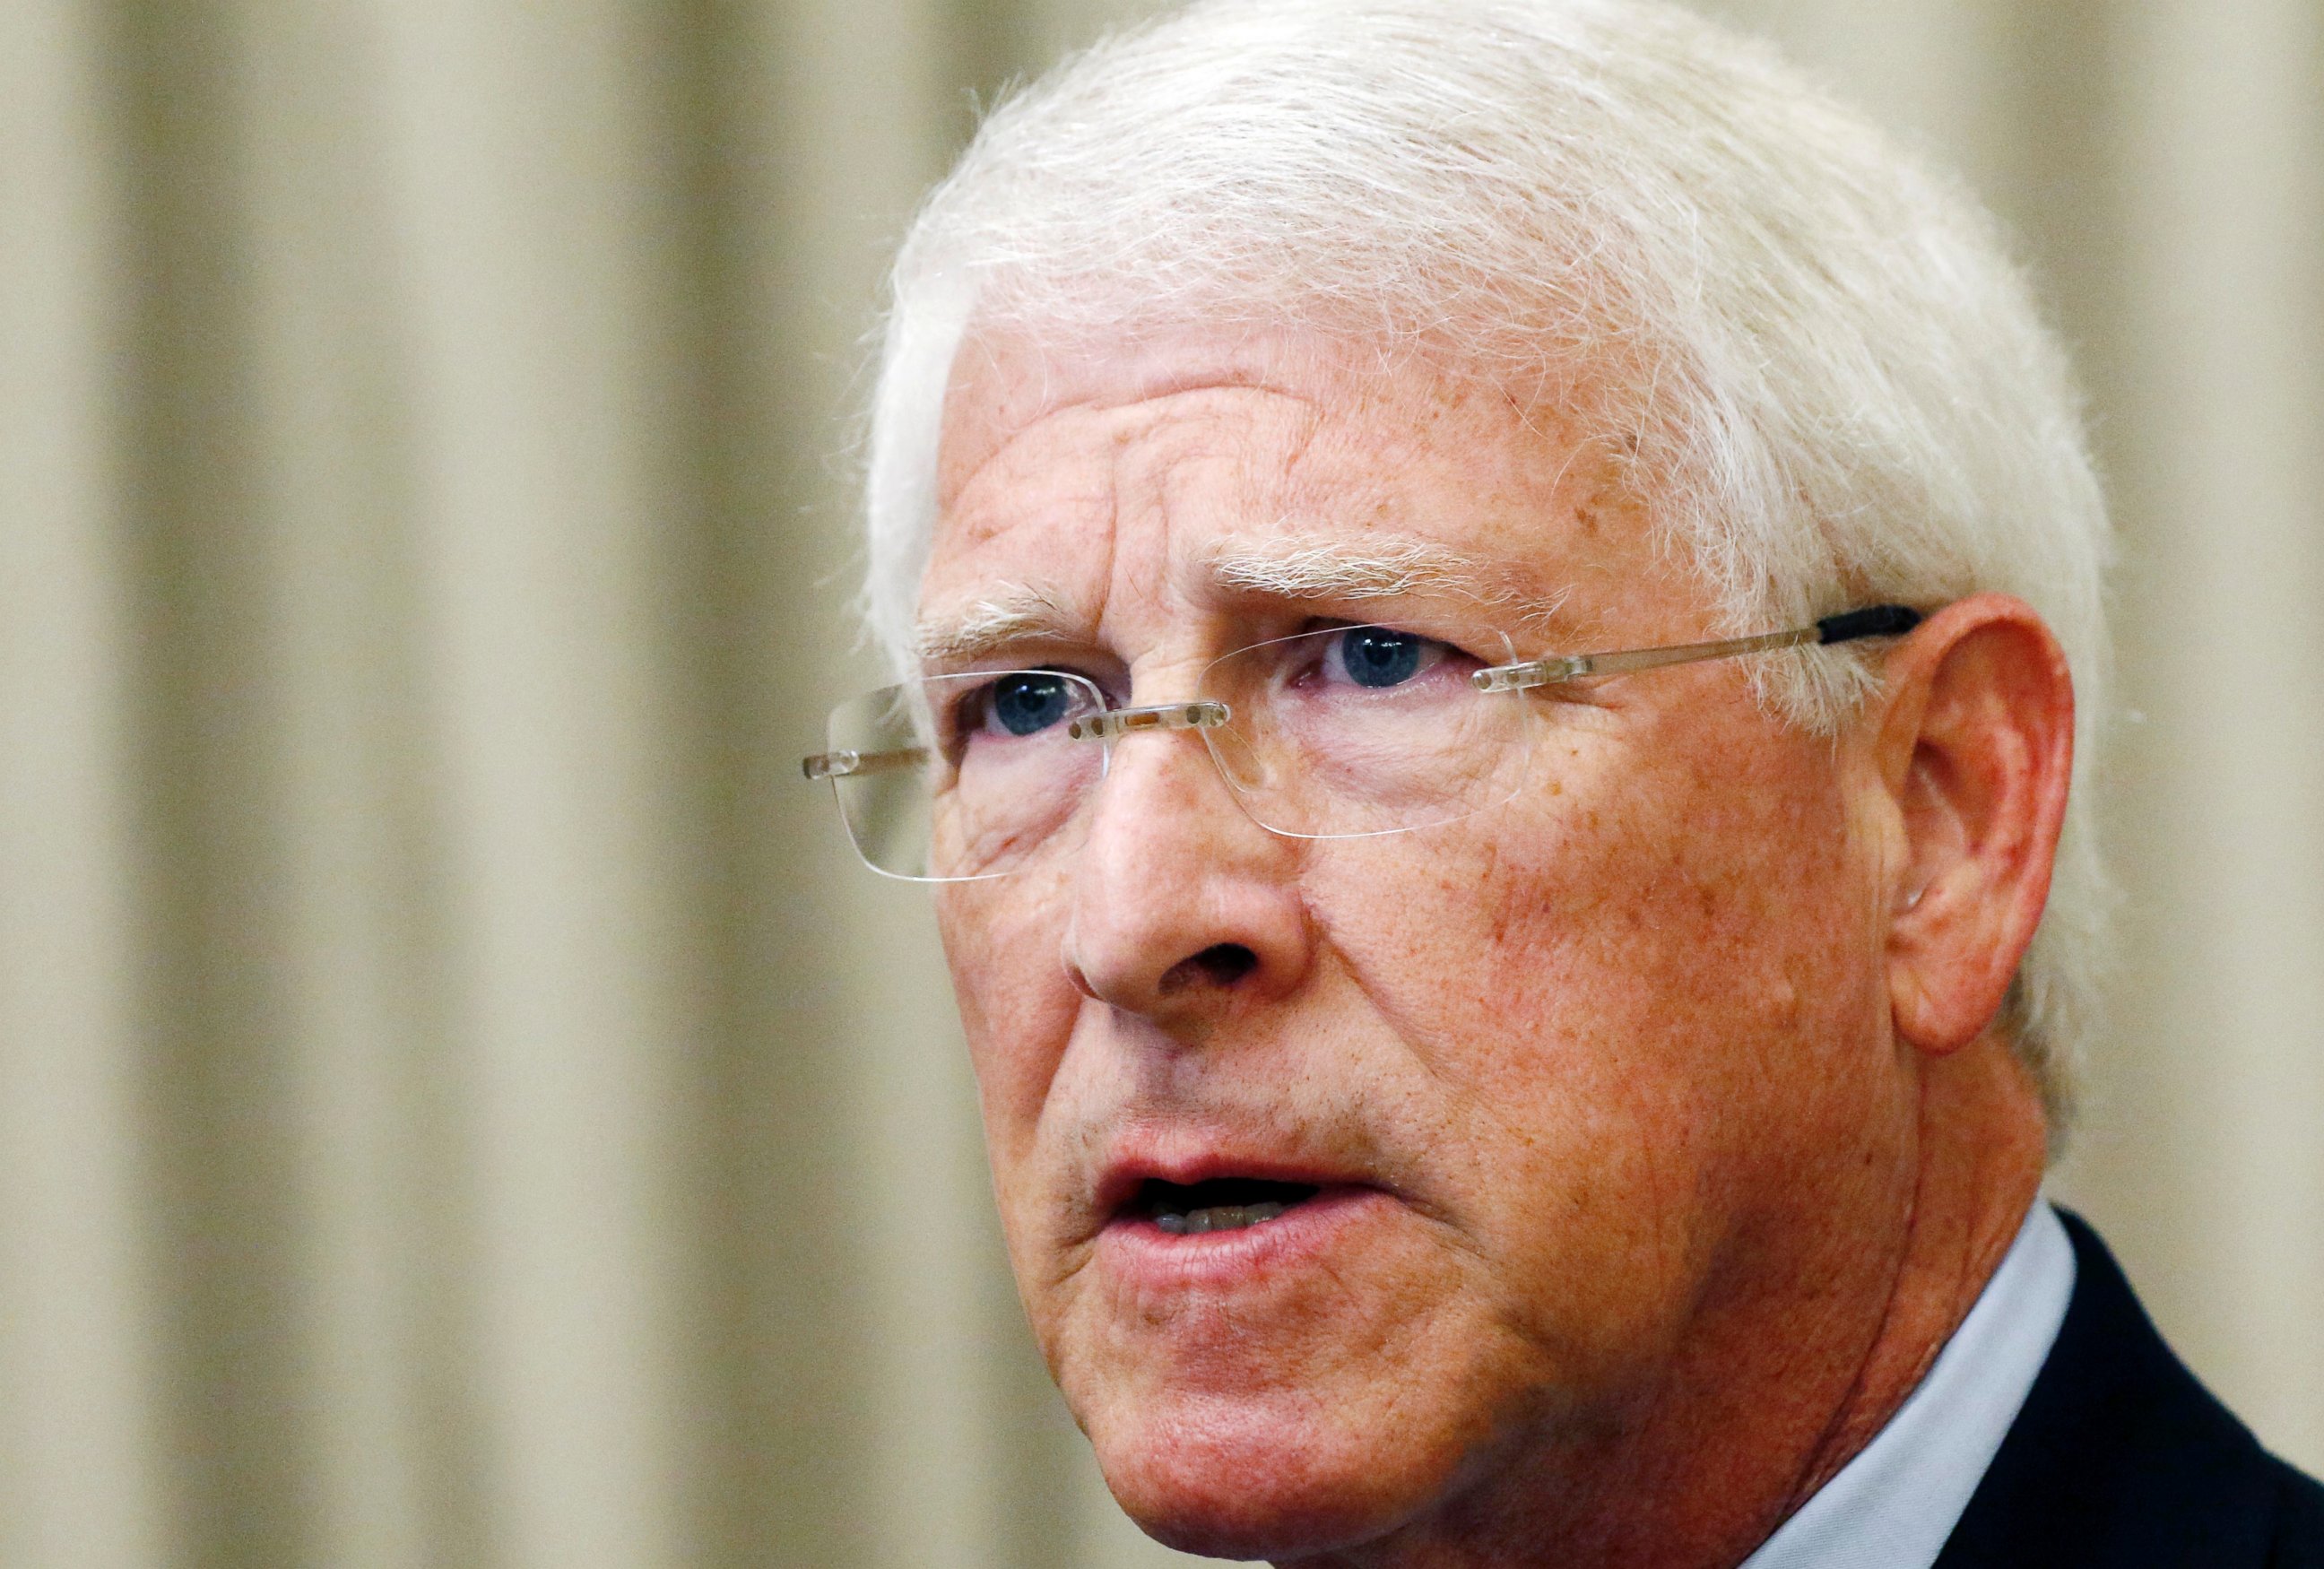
column 1343, row 731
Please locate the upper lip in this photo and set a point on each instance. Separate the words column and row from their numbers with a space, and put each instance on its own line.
column 1121, row 1177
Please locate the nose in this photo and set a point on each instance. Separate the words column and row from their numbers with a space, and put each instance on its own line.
column 1182, row 906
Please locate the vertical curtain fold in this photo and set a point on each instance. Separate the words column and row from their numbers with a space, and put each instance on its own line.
column 81, row 1363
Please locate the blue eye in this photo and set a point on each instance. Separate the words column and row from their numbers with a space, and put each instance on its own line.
column 1377, row 657
column 1030, row 701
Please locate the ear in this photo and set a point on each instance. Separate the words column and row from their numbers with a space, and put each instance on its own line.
column 1975, row 745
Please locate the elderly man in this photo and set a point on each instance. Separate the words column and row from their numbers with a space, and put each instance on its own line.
column 1490, row 594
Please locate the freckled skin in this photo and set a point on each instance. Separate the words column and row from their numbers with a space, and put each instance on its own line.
column 1684, row 1196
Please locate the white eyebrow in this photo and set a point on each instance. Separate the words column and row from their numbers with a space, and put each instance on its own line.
column 1319, row 567
column 1013, row 614
column 1297, row 567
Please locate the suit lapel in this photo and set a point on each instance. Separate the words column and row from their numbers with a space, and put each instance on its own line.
column 2120, row 1457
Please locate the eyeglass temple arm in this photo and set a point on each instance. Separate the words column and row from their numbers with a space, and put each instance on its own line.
column 1878, row 621
column 847, row 764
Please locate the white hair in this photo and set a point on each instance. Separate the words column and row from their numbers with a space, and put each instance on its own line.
column 1830, row 385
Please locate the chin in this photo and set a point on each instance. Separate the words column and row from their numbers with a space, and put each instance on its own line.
column 1249, row 1479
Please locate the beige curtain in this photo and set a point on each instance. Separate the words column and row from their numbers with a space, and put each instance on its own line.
column 460, row 1104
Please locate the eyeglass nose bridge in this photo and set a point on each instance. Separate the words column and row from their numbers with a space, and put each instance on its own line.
column 1205, row 714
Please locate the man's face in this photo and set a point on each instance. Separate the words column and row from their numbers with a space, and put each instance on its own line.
column 1560, row 1094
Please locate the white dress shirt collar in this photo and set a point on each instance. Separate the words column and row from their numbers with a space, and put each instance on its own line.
column 1894, row 1504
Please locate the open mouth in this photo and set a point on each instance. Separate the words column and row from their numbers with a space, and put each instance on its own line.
column 1221, row 1204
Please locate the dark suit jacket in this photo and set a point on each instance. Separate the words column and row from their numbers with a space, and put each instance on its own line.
column 2120, row 1460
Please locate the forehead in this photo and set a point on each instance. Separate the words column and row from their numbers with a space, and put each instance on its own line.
column 1107, row 484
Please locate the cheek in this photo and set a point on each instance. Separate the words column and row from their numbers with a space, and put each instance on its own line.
column 1617, row 910
column 1627, row 991
column 1017, row 1008
column 1694, row 884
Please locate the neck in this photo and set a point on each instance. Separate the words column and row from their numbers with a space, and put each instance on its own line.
column 1985, row 1147
column 1818, row 1331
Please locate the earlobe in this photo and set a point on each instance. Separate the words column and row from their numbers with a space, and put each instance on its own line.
column 1976, row 747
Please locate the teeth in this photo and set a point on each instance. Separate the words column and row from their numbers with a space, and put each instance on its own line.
column 1219, row 1217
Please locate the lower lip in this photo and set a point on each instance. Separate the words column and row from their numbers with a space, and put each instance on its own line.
column 1139, row 1253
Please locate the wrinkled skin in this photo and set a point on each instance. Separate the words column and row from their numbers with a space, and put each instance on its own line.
column 1665, row 1125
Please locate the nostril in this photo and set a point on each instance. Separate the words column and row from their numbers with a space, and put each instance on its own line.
column 1220, row 964
column 1227, row 963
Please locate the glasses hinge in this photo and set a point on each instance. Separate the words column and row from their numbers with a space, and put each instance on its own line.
column 1532, row 673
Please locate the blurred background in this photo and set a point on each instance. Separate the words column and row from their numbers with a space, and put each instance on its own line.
column 460, row 1103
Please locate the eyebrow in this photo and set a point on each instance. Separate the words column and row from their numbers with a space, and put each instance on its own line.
column 1293, row 567
column 1013, row 614
column 1326, row 567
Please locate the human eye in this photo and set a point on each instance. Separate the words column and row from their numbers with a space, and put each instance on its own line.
column 1021, row 703
column 1380, row 657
